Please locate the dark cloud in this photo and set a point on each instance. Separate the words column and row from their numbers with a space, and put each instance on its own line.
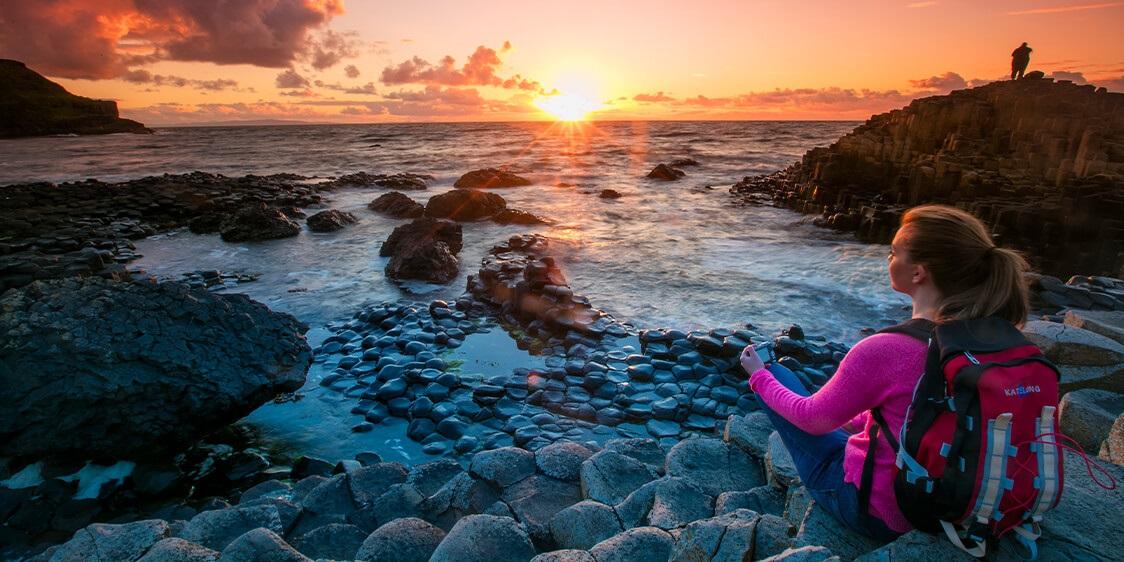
column 351, row 71
column 657, row 97
column 437, row 94
column 331, row 47
column 99, row 39
column 159, row 80
column 290, row 79
column 942, row 83
column 479, row 70
column 1113, row 84
column 704, row 101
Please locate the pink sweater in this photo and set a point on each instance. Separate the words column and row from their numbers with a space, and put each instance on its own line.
column 880, row 370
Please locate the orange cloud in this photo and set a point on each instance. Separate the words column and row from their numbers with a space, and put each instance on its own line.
column 657, row 97
column 1061, row 9
column 479, row 70
column 943, row 83
column 99, row 39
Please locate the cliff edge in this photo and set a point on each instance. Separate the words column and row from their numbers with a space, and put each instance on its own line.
column 1041, row 162
column 31, row 105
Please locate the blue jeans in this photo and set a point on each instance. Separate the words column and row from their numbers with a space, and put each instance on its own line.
column 819, row 461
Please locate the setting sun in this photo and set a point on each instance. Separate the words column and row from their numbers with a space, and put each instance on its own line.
column 567, row 107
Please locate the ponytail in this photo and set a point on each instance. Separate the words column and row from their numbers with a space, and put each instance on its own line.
column 975, row 277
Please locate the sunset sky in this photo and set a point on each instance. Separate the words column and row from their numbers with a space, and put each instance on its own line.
column 205, row 61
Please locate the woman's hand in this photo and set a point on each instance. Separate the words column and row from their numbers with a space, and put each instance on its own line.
column 750, row 361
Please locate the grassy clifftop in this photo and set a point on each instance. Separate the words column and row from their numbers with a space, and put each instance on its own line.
column 31, row 105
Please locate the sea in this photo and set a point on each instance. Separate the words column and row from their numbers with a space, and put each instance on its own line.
column 665, row 254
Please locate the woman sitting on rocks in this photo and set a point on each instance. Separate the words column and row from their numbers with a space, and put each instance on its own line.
column 945, row 260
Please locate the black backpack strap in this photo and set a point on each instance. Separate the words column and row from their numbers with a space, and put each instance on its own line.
column 916, row 328
column 867, row 481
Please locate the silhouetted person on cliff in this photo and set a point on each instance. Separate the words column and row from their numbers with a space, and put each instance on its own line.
column 1020, row 58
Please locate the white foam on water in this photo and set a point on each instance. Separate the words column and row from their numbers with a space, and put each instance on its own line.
column 92, row 476
column 29, row 477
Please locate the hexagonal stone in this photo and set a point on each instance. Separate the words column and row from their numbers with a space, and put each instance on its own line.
column 504, row 466
column 642, row 544
column 562, row 460
column 485, row 538
column 609, row 477
column 406, row 539
column 584, row 524
column 714, row 466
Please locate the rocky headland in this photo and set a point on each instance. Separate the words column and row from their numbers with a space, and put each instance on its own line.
column 1041, row 162
column 31, row 105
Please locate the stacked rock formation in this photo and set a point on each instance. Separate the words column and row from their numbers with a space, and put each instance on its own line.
column 629, row 500
column 96, row 368
column 1041, row 162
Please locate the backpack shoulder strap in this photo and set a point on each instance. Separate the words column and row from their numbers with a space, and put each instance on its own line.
column 916, row 328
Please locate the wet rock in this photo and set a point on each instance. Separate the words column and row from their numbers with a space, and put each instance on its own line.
column 258, row 222
column 1087, row 415
column 406, row 539
column 728, row 537
column 404, row 181
column 424, row 249
column 485, row 538
column 714, row 466
column 465, row 205
column 642, row 544
column 102, row 541
column 261, row 545
column 515, row 216
column 336, row 541
column 562, row 460
column 397, row 205
column 422, row 232
column 820, row 528
column 584, row 524
column 330, row 220
column 665, row 173
column 504, row 466
column 98, row 332
column 609, row 194
column 490, row 177
column 609, row 477
column 178, row 550
column 311, row 466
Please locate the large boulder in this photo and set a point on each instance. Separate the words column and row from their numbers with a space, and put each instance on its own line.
column 504, row 466
column 750, row 433
column 515, row 216
column 406, row 539
column 728, row 537
column 1108, row 323
column 485, row 538
column 584, row 524
column 93, row 367
column 609, row 477
column 1112, row 449
column 258, row 222
column 424, row 249
column 1087, row 416
column 336, row 541
column 330, row 220
column 665, row 173
column 534, row 501
column 398, row 205
column 261, row 545
column 490, row 177
column 217, row 528
column 465, row 205
column 714, row 466
column 105, row 542
column 562, row 460
column 642, row 544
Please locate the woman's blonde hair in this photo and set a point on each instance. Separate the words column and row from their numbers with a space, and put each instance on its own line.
column 975, row 277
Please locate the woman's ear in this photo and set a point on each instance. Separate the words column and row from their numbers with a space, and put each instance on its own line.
column 920, row 275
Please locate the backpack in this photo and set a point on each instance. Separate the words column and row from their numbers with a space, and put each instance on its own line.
column 978, row 454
